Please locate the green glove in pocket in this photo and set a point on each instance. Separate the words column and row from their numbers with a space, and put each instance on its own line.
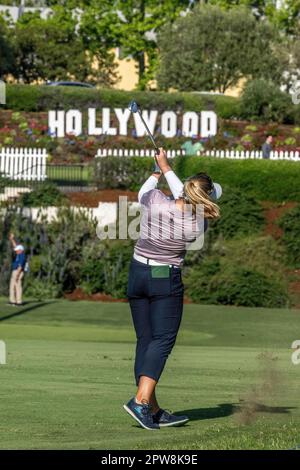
column 160, row 272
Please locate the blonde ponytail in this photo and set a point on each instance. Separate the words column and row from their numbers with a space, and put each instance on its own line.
column 195, row 192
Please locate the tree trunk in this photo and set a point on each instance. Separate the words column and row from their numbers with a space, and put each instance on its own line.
column 141, row 62
column 141, row 54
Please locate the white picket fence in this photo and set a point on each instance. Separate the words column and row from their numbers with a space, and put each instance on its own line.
column 135, row 153
column 27, row 164
column 252, row 154
column 233, row 154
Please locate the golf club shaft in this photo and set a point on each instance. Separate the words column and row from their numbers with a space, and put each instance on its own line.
column 149, row 133
column 134, row 108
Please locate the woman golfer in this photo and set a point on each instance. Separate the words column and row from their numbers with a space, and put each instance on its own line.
column 155, row 289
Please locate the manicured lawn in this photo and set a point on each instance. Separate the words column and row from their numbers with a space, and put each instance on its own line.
column 69, row 370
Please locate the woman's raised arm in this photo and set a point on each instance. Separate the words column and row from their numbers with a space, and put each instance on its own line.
column 175, row 185
column 149, row 184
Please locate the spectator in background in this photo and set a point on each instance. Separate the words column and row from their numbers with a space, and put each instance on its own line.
column 18, row 265
column 191, row 147
column 267, row 147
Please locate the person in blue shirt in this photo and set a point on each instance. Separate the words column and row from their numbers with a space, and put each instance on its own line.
column 18, row 265
column 267, row 147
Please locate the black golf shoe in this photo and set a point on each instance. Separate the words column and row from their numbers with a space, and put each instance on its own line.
column 164, row 419
column 141, row 413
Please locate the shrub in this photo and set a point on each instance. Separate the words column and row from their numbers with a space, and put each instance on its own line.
column 249, row 271
column 241, row 215
column 290, row 223
column 124, row 173
column 233, row 285
column 251, row 128
column 295, row 112
column 42, row 289
column 91, row 276
column 248, row 288
column 65, row 254
column 116, row 271
column 258, row 253
column 247, row 138
column 3, row 183
column 35, row 264
column 290, row 141
column 45, row 194
column 263, row 100
column 105, row 268
column 54, row 249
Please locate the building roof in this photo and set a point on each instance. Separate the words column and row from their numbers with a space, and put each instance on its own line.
column 16, row 12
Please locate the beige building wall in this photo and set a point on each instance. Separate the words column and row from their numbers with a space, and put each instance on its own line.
column 236, row 90
column 128, row 73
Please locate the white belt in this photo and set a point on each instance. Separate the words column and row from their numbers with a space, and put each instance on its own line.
column 151, row 262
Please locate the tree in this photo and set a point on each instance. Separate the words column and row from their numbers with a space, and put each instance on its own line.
column 6, row 49
column 287, row 17
column 284, row 14
column 52, row 49
column 98, row 28
column 140, row 21
column 131, row 25
column 48, row 49
column 259, row 8
column 212, row 49
column 291, row 56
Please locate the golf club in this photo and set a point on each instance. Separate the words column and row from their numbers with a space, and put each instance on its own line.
column 134, row 108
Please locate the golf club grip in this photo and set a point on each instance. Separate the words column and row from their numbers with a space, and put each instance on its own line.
column 156, row 165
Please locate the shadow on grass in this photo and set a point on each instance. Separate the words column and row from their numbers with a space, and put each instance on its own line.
column 228, row 409
column 219, row 411
column 199, row 414
column 24, row 309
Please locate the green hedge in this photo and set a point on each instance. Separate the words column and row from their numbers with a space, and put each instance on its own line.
column 254, row 104
column 43, row 98
column 276, row 181
column 234, row 286
column 122, row 173
column 241, row 215
column 290, row 223
column 250, row 271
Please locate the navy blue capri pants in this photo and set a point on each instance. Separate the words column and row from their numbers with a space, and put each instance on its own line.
column 156, row 304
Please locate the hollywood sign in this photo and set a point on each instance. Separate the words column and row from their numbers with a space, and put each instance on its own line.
column 61, row 123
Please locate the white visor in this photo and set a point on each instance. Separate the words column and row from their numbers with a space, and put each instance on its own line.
column 217, row 192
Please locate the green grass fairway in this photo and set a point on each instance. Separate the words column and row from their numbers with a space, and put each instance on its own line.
column 70, row 368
